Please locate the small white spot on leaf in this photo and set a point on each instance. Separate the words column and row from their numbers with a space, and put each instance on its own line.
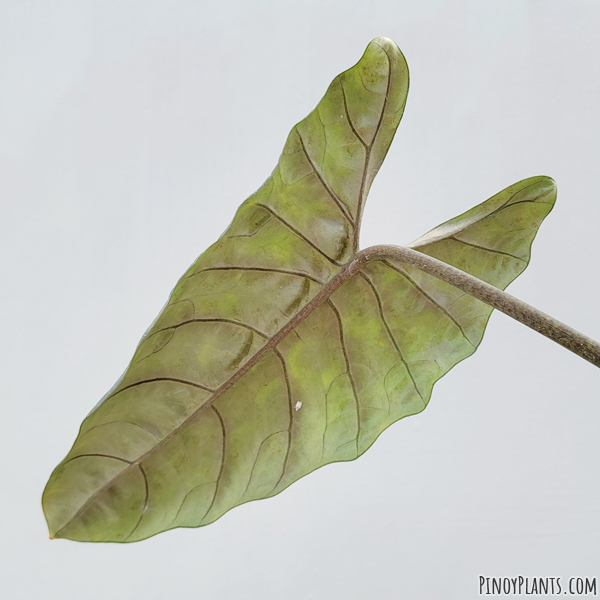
column 298, row 406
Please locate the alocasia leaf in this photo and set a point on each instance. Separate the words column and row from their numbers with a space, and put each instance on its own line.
column 282, row 348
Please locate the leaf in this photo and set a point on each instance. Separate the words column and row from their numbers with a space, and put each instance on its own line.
column 279, row 351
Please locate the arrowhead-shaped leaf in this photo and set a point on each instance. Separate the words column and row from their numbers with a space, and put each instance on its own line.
column 276, row 354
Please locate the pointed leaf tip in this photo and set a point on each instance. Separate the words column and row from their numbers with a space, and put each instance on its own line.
column 538, row 192
column 386, row 44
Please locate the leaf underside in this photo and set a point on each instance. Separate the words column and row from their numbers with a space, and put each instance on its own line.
column 221, row 404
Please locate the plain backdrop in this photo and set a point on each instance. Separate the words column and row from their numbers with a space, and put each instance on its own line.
column 130, row 131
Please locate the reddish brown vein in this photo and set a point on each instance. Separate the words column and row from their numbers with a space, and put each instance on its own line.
column 291, row 416
column 348, row 369
column 299, row 234
column 339, row 203
column 221, row 468
column 261, row 270
column 390, row 334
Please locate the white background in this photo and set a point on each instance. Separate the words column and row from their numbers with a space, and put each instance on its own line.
column 129, row 133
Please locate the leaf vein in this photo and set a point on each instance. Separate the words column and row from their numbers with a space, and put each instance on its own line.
column 291, row 416
column 129, row 422
column 222, row 466
column 343, row 208
column 143, row 382
column 145, row 507
column 430, row 298
column 390, row 334
column 260, row 269
column 185, row 498
column 215, row 320
column 299, row 234
column 358, row 137
column 487, row 249
column 256, row 459
column 348, row 369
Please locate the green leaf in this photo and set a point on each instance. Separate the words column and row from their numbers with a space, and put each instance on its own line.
column 276, row 354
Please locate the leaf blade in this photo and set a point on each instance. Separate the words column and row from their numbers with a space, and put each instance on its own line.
column 222, row 403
